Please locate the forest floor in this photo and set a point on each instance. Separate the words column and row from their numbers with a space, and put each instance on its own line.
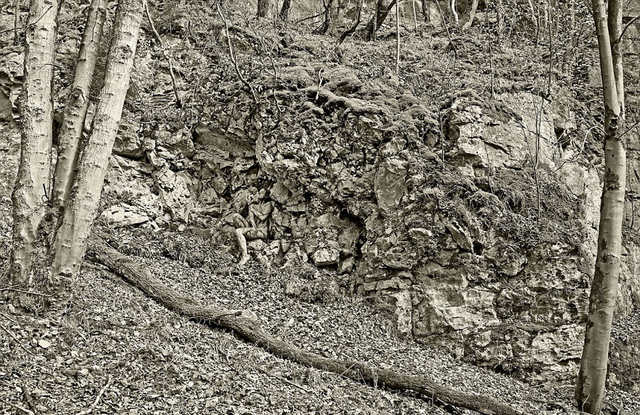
column 113, row 350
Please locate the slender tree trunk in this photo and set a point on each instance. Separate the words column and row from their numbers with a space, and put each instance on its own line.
column 76, row 108
column 472, row 15
column 264, row 8
column 453, row 7
column 500, row 19
column 593, row 369
column 380, row 15
column 353, row 28
column 30, row 194
column 327, row 18
column 284, row 10
column 415, row 17
column 615, row 32
column 397, row 39
column 71, row 237
column 16, row 21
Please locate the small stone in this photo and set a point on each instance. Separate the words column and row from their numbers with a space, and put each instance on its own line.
column 326, row 256
column 45, row 344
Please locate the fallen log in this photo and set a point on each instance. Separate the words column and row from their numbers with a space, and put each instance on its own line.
column 244, row 325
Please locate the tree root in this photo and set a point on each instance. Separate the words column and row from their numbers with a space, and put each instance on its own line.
column 247, row 327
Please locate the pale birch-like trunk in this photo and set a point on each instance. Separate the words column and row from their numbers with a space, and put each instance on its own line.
column 472, row 15
column 593, row 369
column 79, row 213
column 30, row 193
column 70, row 134
column 615, row 33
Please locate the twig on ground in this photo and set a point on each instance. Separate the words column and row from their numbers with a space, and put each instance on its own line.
column 28, row 398
column 281, row 379
column 9, row 318
column 16, row 340
column 95, row 403
column 26, row 292
column 25, row 410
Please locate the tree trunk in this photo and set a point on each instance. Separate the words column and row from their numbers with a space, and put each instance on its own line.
column 284, row 10
column 70, row 134
column 31, row 192
column 327, row 18
column 593, row 369
column 380, row 15
column 16, row 22
column 615, row 33
column 248, row 328
column 264, row 8
column 472, row 15
column 79, row 213
column 353, row 28
column 425, row 11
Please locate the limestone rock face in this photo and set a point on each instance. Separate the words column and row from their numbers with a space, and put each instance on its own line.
column 123, row 215
column 488, row 254
column 473, row 229
column 128, row 142
column 175, row 193
column 390, row 184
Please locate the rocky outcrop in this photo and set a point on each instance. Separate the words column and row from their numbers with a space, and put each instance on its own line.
column 478, row 236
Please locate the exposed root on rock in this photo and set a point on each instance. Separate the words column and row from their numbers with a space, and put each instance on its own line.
column 245, row 325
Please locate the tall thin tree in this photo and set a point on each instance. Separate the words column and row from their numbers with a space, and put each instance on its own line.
column 593, row 369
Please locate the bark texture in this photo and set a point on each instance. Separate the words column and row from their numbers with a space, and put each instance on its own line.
column 383, row 7
column 472, row 15
column 30, row 194
column 593, row 370
column 356, row 23
column 284, row 10
column 249, row 329
column 615, row 32
column 77, row 104
column 264, row 8
column 71, row 238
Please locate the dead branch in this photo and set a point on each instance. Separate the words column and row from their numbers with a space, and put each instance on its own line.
column 232, row 54
column 28, row 398
column 95, row 402
column 15, row 339
column 165, row 54
column 247, row 327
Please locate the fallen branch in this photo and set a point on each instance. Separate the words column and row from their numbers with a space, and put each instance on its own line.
column 25, row 292
column 15, row 339
column 28, row 398
column 95, row 402
column 247, row 327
